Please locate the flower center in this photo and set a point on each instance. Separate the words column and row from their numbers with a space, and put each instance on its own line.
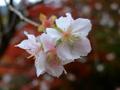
column 52, row 58
column 66, row 35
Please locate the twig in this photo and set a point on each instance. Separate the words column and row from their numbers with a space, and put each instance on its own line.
column 11, row 8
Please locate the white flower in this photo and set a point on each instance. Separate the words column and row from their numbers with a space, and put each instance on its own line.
column 59, row 46
column 44, row 50
column 72, row 37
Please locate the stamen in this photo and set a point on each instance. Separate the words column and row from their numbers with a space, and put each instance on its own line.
column 65, row 71
column 31, row 56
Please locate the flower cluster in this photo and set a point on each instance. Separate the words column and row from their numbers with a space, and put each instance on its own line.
column 58, row 46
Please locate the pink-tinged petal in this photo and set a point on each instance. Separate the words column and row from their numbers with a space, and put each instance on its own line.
column 81, row 27
column 40, row 63
column 30, row 37
column 64, row 53
column 55, row 71
column 47, row 42
column 64, row 22
column 81, row 47
column 53, row 33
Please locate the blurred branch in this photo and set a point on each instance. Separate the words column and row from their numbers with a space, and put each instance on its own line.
column 8, row 31
column 20, row 15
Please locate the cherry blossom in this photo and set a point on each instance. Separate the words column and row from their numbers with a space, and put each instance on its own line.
column 72, row 37
column 44, row 50
column 59, row 45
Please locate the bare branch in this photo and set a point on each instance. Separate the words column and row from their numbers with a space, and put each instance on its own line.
column 21, row 16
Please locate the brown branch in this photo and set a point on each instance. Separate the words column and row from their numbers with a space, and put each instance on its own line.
column 11, row 8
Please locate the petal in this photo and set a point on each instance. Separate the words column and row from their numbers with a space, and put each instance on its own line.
column 69, row 16
column 53, row 33
column 25, row 44
column 81, row 47
column 81, row 26
column 64, row 53
column 40, row 63
column 30, row 37
column 64, row 22
column 55, row 71
column 28, row 43
column 64, row 62
column 47, row 42
column 29, row 46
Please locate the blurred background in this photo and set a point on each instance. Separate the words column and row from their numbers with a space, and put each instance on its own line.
column 100, row 70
